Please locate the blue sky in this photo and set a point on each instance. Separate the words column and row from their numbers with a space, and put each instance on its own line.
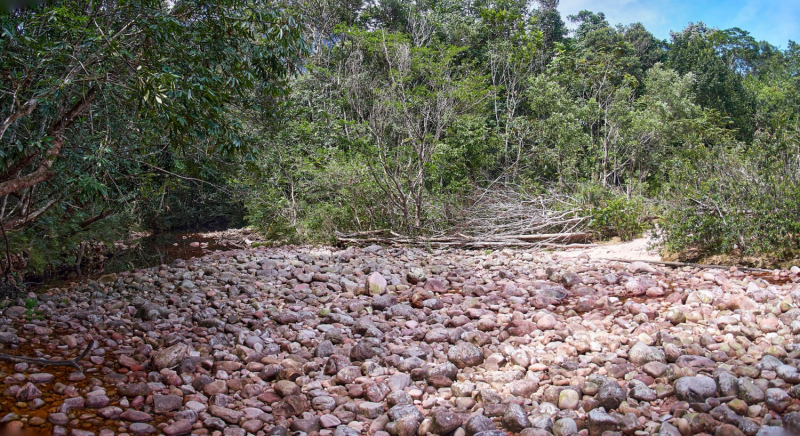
column 776, row 21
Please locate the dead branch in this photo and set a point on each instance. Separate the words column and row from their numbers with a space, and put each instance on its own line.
column 46, row 362
column 580, row 236
column 501, row 216
column 692, row 265
column 22, row 221
column 510, row 212
column 105, row 213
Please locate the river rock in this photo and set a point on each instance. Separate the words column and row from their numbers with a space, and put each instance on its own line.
column 565, row 427
column 600, row 422
column 444, row 421
column 465, row 354
column 611, row 395
column 695, row 389
column 277, row 340
column 478, row 423
column 376, row 284
column 515, row 418
column 170, row 356
column 641, row 354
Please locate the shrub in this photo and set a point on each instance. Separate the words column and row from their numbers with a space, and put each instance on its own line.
column 738, row 205
column 339, row 196
column 613, row 213
column 619, row 216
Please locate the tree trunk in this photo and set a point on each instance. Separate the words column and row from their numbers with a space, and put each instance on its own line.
column 42, row 173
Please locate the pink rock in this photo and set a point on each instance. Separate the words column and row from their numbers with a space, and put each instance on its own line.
column 376, row 284
column 41, row 377
column 768, row 324
column 435, row 285
column 252, row 426
column 129, row 362
column 28, row 392
column 183, row 426
column 328, row 421
column 547, row 322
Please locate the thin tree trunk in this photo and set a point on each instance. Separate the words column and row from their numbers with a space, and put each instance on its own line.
column 42, row 173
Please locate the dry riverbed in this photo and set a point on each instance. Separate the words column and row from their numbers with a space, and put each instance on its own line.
column 402, row 342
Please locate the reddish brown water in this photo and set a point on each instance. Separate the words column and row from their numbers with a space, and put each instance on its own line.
column 151, row 251
column 36, row 419
column 775, row 279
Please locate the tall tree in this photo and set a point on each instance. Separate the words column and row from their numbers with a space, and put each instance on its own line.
column 647, row 47
column 718, row 86
column 549, row 21
column 93, row 87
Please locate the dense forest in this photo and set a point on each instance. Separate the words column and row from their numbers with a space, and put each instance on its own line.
column 313, row 117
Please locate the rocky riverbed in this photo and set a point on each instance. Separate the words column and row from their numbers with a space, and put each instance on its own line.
column 392, row 341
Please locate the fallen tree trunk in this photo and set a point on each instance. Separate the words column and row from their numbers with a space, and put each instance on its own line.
column 580, row 236
column 386, row 237
column 693, row 265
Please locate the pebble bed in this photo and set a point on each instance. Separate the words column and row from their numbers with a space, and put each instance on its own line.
column 402, row 341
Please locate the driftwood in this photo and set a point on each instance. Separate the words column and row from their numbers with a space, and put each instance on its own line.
column 578, row 236
column 458, row 240
column 46, row 362
column 692, row 265
column 511, row 212
column 503, row 215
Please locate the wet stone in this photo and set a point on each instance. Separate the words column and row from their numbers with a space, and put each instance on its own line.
column 140, row 428
column 444, row 421
column 28, row 392
column 600, row 422
column 113, row 412
column 565, row 427
column 370, row 410
column 135, row 415
column 465, row 354
column 478, row 423
column 166, row 403
column 97, row 401
column 179, row 427
column 749, row 392
column 41, row 378
column 611, row 395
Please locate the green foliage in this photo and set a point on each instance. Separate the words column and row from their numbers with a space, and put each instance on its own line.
column 548, row 20
column 336, row 197
column 719, row 83
column 736, row 201
column 413, row 106
column 555, row 124
column 31, row 313
column 31, row 303
column 613, row 214
column 192, row 207
column 620, row 217
column 648, row 49
column 119, row 109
